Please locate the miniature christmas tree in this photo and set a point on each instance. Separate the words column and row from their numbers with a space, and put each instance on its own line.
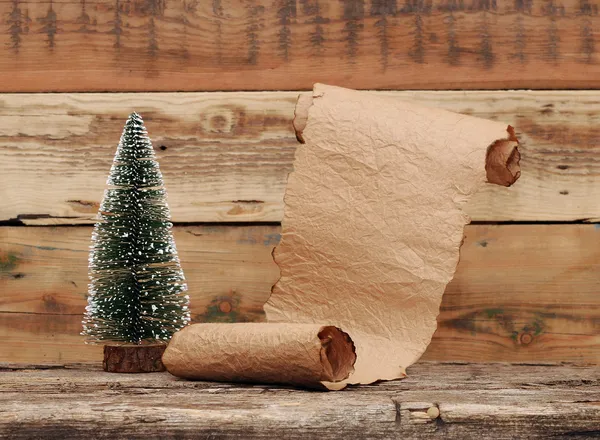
column 137, row 288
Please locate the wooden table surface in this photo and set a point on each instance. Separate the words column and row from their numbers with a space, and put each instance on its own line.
column 450, row 401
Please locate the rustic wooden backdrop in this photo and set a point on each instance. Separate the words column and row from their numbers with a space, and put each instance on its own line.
column 175, row 45
column 527, row 287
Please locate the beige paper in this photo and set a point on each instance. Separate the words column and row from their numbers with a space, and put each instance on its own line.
column 307, row 355
column 373, row 218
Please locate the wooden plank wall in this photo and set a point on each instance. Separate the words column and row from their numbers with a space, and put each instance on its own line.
column 527, row 286
column 522, row 293
column 192, row 45
column 226, row 156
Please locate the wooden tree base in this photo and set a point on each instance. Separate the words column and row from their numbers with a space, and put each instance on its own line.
column 133, row 358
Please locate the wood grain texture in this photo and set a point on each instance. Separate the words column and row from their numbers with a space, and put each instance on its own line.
column 522, row 293
column 43, row 284
column 133, row 358
column 176, row 45
column 226, row 156
column 435, row 401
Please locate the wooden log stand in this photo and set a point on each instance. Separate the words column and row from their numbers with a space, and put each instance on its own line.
column 129, row 358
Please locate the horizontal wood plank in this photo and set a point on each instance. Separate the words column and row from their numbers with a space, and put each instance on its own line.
column 522, row 293
column 226, row 156
column 435, row 401
column 160, row 45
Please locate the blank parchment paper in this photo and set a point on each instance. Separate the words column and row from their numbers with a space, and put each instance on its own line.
column 373, row 218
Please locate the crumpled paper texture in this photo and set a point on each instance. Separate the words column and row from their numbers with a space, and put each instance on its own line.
column 373, row 218
column 306, row 355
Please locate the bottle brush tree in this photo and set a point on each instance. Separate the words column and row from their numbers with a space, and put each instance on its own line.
column 137, row 291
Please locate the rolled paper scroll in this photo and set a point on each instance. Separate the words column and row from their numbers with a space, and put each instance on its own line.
column 306, row 355
column 373, row 218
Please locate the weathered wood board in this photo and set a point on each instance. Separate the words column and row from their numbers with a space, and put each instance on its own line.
column 175, row 45
column 226, row 156
column 522, row 293
column 45, row 270
column 435, row 401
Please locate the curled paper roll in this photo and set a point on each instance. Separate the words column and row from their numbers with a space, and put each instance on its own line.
column 307, row 355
